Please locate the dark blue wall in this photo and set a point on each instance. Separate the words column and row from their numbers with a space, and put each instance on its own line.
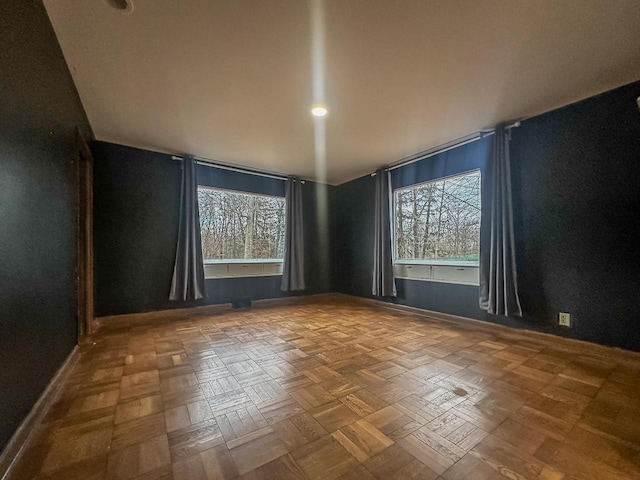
column 465, row 158
column 136, row 203
column 39, row 112
column 576, row 201
column 576, row 209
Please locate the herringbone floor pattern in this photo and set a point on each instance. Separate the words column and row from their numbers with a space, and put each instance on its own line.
column 337, row 390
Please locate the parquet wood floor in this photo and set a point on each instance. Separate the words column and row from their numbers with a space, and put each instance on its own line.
column 335, row 390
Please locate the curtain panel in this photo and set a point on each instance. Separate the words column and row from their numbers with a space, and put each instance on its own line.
column 384, row 284
column 293, row 269
column 498, row 278
column 188, row 272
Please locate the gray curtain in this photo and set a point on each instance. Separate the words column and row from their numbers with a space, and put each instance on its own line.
column 293, row 270
column 384, row 284
column 498, row 279
column 188, row 271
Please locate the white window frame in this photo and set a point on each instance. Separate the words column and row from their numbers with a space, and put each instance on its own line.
column 461, row 272
column 242, row 267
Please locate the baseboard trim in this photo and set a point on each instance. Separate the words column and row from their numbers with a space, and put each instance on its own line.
column 20, row 439
column 297, row 300
column 604, row 352
column 155, row 317
column 167, row 316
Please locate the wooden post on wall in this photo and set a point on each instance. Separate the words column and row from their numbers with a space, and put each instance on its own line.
column 84, row 238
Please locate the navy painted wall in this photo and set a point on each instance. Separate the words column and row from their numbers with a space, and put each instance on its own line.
column 576, row 201
column 39, row 112
column 576, row 208
column 136, row 203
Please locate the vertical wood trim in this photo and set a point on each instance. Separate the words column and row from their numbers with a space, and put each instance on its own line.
column 84, row 238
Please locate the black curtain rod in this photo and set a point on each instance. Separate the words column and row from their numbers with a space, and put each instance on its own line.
column 444, row 147
column 233, row 168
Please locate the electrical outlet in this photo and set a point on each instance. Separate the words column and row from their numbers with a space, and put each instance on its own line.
column 564, row 319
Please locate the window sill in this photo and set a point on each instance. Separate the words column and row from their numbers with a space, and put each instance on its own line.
column 435, row 280
column 465, row 274
column 439, row 263
column 242, row 268
column 218, row 277
column 215, row 261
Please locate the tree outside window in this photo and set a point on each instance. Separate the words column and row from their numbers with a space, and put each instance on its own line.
column 439, row 220
column 236, row 225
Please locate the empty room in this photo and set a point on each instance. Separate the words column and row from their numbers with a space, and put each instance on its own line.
column 319, row 239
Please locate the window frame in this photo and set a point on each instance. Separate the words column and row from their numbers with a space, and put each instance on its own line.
column 242, row 267
column 447, row 268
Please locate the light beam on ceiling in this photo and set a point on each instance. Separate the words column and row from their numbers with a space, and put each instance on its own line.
column 319, row 130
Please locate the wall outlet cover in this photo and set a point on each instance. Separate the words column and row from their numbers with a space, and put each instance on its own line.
column 564, row 319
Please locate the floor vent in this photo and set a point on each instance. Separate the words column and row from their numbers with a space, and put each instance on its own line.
column 240, row 303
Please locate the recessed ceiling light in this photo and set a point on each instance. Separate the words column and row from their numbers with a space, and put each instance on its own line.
column 319, row 110
column 125, row 6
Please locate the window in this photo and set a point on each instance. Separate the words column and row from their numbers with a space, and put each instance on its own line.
column 437, row 223
column 241, row 232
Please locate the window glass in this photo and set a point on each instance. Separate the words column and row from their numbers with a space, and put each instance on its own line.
column 439, row 220
column 237, row 225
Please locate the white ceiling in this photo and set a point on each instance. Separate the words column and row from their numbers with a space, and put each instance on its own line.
column 232, row 79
